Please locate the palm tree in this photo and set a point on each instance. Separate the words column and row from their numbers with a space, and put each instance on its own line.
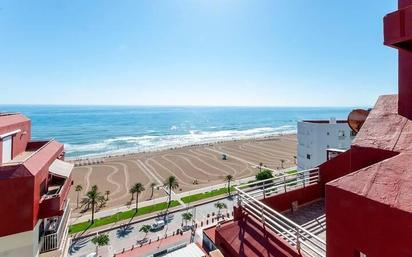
column 132, row 193
column 229, row 179
column 78, row 188
column 187, row 216
column 145, row 229
column 137, row 188
column 107, row 193
column 152, row 186
column 171, row 183
column 93, row 197
column 100, row 240
column 220, row 206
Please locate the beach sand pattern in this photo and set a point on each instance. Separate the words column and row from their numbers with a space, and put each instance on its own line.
column 202, row 163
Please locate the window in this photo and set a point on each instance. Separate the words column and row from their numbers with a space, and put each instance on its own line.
column 353, row 133
column 308, row 156
column 7, row 143
column 327, row 133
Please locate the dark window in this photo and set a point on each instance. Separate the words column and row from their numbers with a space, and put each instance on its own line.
column 308, row 156
column 43, row 188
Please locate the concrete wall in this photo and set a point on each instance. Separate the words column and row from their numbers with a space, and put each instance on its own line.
column 20, row 139
column 357, row 224
column 283, row 202
column 21, row 244
column 315, row 137
column 16, row 209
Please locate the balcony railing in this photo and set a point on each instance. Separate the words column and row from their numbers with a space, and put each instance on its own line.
column 51, row 203
column 53, row 237
column 297, row 236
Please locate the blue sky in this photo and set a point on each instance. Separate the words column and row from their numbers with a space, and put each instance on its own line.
column 195, row 52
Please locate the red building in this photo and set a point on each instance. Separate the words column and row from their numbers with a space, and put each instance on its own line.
column 354, row 205
column 34, row 184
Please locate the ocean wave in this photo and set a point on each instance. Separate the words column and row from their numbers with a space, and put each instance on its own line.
column 128, row 144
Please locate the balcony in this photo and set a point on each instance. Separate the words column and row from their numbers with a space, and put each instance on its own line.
column 54, row 232
column 299, row 229
column 52, row 202
column 397, row 29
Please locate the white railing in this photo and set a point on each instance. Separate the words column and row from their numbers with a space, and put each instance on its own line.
column 52, row 241
column 297, row 236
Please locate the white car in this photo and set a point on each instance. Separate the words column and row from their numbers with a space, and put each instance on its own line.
column 158, row 225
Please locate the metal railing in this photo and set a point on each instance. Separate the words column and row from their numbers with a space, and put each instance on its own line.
column 52, row 241
column 297, row 236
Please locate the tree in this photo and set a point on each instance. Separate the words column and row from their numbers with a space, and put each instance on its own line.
column 294, row 158
column 187, row 216
column 93, row 197
column 132, row 193
column 107, row 193
column 100, row 240
column 145, row 229
column 264, row 174
column 220, row 206
column 152, row 186
column 229, row 179
column 260, row 166
column 78, row 188
column 137, row 188
column 171, row 183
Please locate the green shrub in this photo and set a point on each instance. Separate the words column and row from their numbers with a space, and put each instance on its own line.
column 264, row 174
column 120, row 216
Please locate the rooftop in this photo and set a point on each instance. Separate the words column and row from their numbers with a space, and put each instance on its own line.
column 8, row 119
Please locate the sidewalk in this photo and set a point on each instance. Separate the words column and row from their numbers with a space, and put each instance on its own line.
column 149, row 216
column 177, row 197
column 156, row 246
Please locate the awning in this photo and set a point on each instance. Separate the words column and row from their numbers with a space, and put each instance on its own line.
column 61, row 168
column 191, row 250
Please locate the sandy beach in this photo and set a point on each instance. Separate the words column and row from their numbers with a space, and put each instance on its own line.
column 201, row 163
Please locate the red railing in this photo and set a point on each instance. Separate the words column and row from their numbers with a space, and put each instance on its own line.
column 52, row 205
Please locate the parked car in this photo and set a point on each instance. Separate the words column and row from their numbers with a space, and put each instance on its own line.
column 158, row 225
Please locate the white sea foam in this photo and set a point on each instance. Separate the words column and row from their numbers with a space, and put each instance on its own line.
column 129, row 144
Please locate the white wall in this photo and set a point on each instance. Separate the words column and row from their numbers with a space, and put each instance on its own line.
column 314, row 138
column 21, row 244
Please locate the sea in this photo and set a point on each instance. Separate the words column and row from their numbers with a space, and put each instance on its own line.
column 90, row 131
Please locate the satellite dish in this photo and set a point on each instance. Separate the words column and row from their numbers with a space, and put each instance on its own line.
column 356, row 119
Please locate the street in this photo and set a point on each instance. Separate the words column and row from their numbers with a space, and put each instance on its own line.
column 125, row 237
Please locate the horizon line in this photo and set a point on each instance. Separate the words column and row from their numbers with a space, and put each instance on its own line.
column 191, row 106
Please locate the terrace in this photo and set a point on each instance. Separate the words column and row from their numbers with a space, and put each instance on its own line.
column 54, row 231
column 281, row 216
column 58, row 186
column 31, row 149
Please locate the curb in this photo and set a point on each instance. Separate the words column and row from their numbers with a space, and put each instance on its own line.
column 177, row 209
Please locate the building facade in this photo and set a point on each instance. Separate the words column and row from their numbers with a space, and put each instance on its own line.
column 34, row 185
column 315, row 137
column 357, row 204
